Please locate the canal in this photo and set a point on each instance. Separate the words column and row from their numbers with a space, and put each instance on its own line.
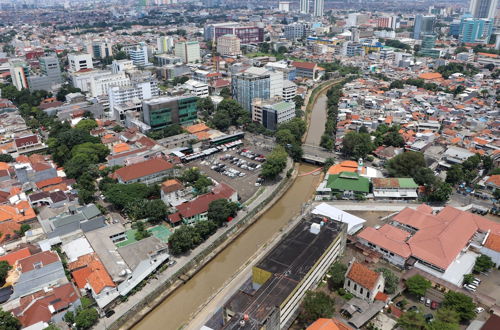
column 177, row 309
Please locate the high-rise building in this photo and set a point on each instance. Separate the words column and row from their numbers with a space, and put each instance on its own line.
column 139, row 55
column 19, row 73
column 50, row 74
column 304, row 6
column 80, row 61
column 246, row 33
column 188, row 51
column 100, row 49
column 272, row 112
column 295, row 31
column 118, row 96
column 256, row 83
column 164, row 44
column 355, row 19
column 228, row 45
column 284, row 6
column 163, row 111
column 387, row 22
column 318, row 8
column 483, row 8
column 475, row 30
column 424, row 25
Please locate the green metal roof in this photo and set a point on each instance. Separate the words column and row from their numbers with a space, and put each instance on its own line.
column 347, row 181
column 282, row 106
column 407, row 183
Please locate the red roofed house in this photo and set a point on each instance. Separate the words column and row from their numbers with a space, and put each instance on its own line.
column 491, row 248
column 48, row 305
column 149, row 171
column 27, row 142
column 94, row 276
column 493, row 182
column 14, row 256
column 306, row 70
column 363, row 282
column 328, row 324
column 434, row 243
column 197, row 209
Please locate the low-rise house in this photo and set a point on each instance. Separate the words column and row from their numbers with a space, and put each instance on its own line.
column 438, row 244
column 363, row 282
column 394, row 188
column 47, row 305
column 347, row 184
column 172, row 192
column 52, row 199
column 197, row 209
column 328, row 324
column 89, row 273
column 491, row 248
column 35, row 172
column 149, row 171
column 493, row 182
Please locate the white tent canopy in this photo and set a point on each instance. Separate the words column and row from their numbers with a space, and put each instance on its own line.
column 354, row 223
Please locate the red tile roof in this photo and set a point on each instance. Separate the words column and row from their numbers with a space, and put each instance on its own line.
column 143, row 169
column 493, row 242
column 363, row 275
column 14, row 256
column 48, row 182
column 171, row 186
column 94, row 274
column 42, row 258
column 26, row 140
column 36, row 307
column 200, row 204
column 304, row 65
column 328, row 324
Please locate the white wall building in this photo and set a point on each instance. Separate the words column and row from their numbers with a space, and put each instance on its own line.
column 164, row 44
column 140, row 91
column 363, row 282
column 139, row 55
column 122, row 66
column 79, row 62
column 197, row 88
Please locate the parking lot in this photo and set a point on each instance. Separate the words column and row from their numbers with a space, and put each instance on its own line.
column 239, row 168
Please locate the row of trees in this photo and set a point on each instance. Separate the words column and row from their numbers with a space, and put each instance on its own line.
column 275, row 163
column 469, row 169
column 412, row 165
column 289, row 135
column 419, row 83
column 333, row 97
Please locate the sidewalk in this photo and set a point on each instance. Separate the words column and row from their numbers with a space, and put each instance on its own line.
column 154, row 283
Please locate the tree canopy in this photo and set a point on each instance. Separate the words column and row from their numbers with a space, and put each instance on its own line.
column 220, row 210
column 275, row 163
column 391, row 280
column 316, row 305
column 9, row 321
column 417, row 285
column 460, row 303
column 357, row 145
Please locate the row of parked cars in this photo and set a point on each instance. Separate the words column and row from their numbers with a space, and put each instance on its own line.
column 226, row 170
column 252, row 155
column 241, row 163
column 473, row 285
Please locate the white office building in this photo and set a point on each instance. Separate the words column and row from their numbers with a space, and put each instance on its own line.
column 98, row 82
column 19, row 72
column 196, row 88
column 304, row 6
column 273, row 112
column 164, row 44
column 122, row 66
column 133, row 93
column 318, row 8
column 289, row 90
column 229, row 45
column 189, row 51
column 139, row 55
column 79, row 62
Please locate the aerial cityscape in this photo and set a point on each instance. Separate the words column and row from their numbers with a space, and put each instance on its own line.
column 256, row 165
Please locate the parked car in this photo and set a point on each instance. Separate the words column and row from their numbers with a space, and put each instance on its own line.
column 428, row 302
column 172, row 262
column 413, row 309
column 479, row 310
column 429, row 317
column 434, row 305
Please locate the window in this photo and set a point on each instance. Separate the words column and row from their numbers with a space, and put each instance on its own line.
column 355, row 286
column 367, row 294
column 348, row 282
column 37, row 265
column 361, row 290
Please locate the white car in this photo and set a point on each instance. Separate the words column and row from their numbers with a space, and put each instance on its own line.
column 479, row 310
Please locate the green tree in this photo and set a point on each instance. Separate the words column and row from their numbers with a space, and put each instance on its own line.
column 329, row 162
column 284, row 137
column 455, row 174
column 8, row 321
column 220, row 210
column 181, row 240
column 118, row 128
column 406, row 164
column 205, row 228
column 4, row 271
column 86, row 124
column 205, row 106
column 412, row 320
column 337, row 275
column 316, row 305
column 357, row 145
column 275, row 163
column 440, row 192
column 460, row 303
column 299, row 101
column 221, row 120
column 191, row 175
column 468, row 278
column 425, row 176
column 394, row 139
column 52, row 327
column 6, row 158
column 417, row 285
column 225, row 92
column 69, row 317
column 86, row 318
column 141, row 232
column 447, row 315
column 483, row 264
column 391, row 280
column 85, row 196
